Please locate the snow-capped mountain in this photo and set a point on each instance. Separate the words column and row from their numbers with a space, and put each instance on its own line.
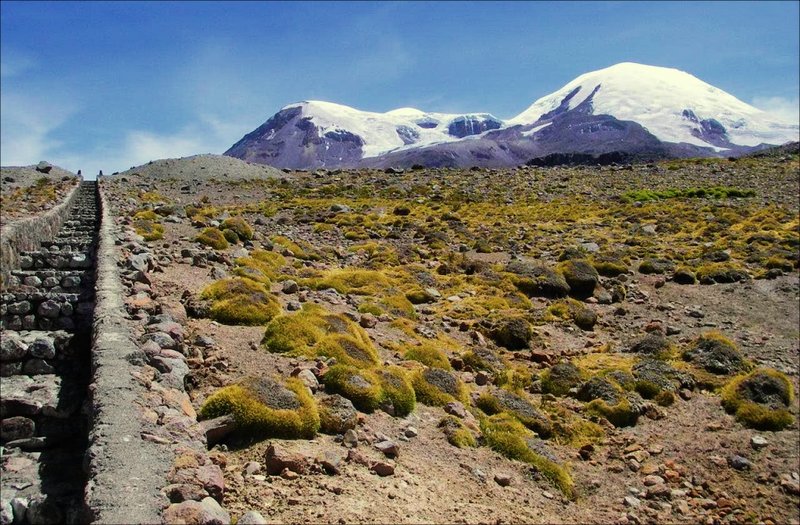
column 315, row 133
column 639, row 110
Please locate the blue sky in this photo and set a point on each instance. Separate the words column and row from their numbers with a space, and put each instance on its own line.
column 94, row 85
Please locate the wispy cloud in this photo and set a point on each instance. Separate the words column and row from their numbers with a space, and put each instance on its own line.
column 14, row 62
column 28, row 122
column 787, row 109
column 136, row 147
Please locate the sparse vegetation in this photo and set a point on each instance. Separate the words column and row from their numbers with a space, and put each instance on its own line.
column 266, row 407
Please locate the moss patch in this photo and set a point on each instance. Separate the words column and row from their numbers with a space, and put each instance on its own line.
column 240, row 301
column 457, row 433
column 212, row 237
column 315, row 332
column 362, row 387
column 509, row 437
column 267, row 407
column 760, row 399
column 437, row 387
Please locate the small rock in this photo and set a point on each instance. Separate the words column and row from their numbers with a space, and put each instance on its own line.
column 330, row 462
column 661, row 491
column 410, row 432
column 368, row 320
column 758, row 442
column 252, row 467
column 279, row 458
column 309, row 379
column 632, row 501
column 42, row 348
column 350, row 438
column 389, row 448
column 456, row 409
column 737, row 462
column 503, row 480
column 652, row 479
column 382, row 468
column 217, row 429
column 482, row 378
column 290, row 286
column 252, row 517
column 288, row 474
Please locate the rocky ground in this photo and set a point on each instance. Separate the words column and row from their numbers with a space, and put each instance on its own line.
column 28, row 190
column 549, row 320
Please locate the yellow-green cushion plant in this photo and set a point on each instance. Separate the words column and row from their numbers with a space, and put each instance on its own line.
column 607, row 399
column 437, row 387
column 559, row 379
column 362, row 387
column 267, row 407
column 507, row 436
column 713, row 355
column 397, row 390
column 351, row 280
column 212, row 237
column 760, row 399
column 315, row 332
column 347, row 350
column 238, row 225
column 240, row 301
column 456, row 432
column 428, row 355
column 502, row 401
column 148, row 229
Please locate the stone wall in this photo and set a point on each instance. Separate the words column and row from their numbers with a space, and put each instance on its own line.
column 126, row 473
column 26, row 234
column 148, row 461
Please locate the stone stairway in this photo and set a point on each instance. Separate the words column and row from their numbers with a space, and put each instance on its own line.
column 46, row 311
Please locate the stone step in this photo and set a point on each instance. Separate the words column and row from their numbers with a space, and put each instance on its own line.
column 51, row 482
column 56, row 260
column 32, row 310
column 34, row 352
column 39, row 396
column 70, row 244
column 59, row 281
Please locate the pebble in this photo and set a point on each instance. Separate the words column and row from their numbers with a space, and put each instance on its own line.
column 252, row 517
column 652, row 479
column 632, row 501
column 482, row 378
column 350, row 438
column 503, row 479
column 758, row 442
column 410, row 432
column 739, row 463
column 389, row 448
column 382, row 468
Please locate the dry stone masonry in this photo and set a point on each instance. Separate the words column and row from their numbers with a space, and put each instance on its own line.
column 45, row 345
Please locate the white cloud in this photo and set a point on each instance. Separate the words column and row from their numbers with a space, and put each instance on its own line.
column 26, row 126
column 787, row 109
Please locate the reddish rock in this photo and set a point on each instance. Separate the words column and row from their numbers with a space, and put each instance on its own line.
column 180, row 492
column 206, row 512
column 382, row 468
column 218, row 428
column 278, row 458
column 389, row 448
column 213, row 480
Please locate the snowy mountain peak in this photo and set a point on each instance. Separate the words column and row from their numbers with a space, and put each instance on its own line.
column 671, row 104
column 635, row 109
